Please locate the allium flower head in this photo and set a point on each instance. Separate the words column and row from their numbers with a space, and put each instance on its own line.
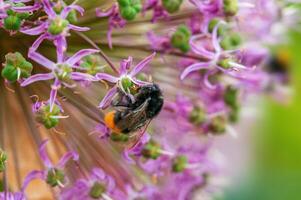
column 140, row 120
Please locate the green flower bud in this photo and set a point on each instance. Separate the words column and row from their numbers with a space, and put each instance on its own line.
column 221, row 29
column 129, row 13
column 231, row 97
column 224, row 63
column 137, row 7
column 55, row 177
column 3, row 160
column 218, row 125
column 234, row 115
column 58, row 7
column 119, row 137
column 180, row 39
column 12, row 23
column 179, row 164
column 47, row 117
column 197, row 116
column 126, row 83
column 72, row 17
column 230, row 7
column 231, row 41
column 124, row 3
column 57, row 26
column 92, row 64
column 63, row 72
column 16, row 67
column 151, row 150
column 97, row 190
column 23, row 15
column 172, row 6
column 129, row 8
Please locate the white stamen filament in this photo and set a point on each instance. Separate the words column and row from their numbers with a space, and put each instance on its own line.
column 238, row 66
column 106, row 197
column 59, row 117
column 164, row 152
column 193, row 165
column 245, row 5
column 231, row 131
column 19, row 73
column 60, row 184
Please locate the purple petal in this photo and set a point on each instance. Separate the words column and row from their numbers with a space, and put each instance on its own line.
column 215, row 40
column 141, row 65
column 109, row 37
column 37, row 43
column 54, row 88
column 78, row 76
column 111, row 183
column 39, row 58
column 125, row 65
column 44, row 154
column 79, row 55
column 206, row 79
column 107, row 13
column 126, row 156
column 48, row 8
column 36, row 30
column 194, row 67
column 106, row 100
column 78, row 28
column 31, row 176
column 26, row 8
column 61, row 47
column 69, row 8
column 37, row 77
column 140, row 83
column 107, row 77
column 199, row 49
column 98, row 174
column 69, row 155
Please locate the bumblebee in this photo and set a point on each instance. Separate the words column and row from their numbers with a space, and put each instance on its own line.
column 129, row 115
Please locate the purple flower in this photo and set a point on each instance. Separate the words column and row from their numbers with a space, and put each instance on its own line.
column 159, row 43
column 158, row 11
column 97, row 185
column 125, row 75
column 136, row 150
column 216, row 60
column 114, row 21
column 56, row 27
column 21, row 194
column 209, row 7
column 53, row 174
column 61, row 72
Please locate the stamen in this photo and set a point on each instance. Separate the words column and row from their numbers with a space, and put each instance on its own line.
column 231, row 131
column 8, row 88
column 106, row 197
column 59, row 117
column 59, row 132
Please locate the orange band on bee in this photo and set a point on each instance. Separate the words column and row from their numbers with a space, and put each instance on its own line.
column 109, row 121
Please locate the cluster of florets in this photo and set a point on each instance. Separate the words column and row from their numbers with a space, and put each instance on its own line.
column 216, row 63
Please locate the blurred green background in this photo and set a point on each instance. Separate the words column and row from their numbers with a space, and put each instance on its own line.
column 276, row 173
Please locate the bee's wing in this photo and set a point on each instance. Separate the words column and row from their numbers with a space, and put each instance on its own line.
column 134, row 119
